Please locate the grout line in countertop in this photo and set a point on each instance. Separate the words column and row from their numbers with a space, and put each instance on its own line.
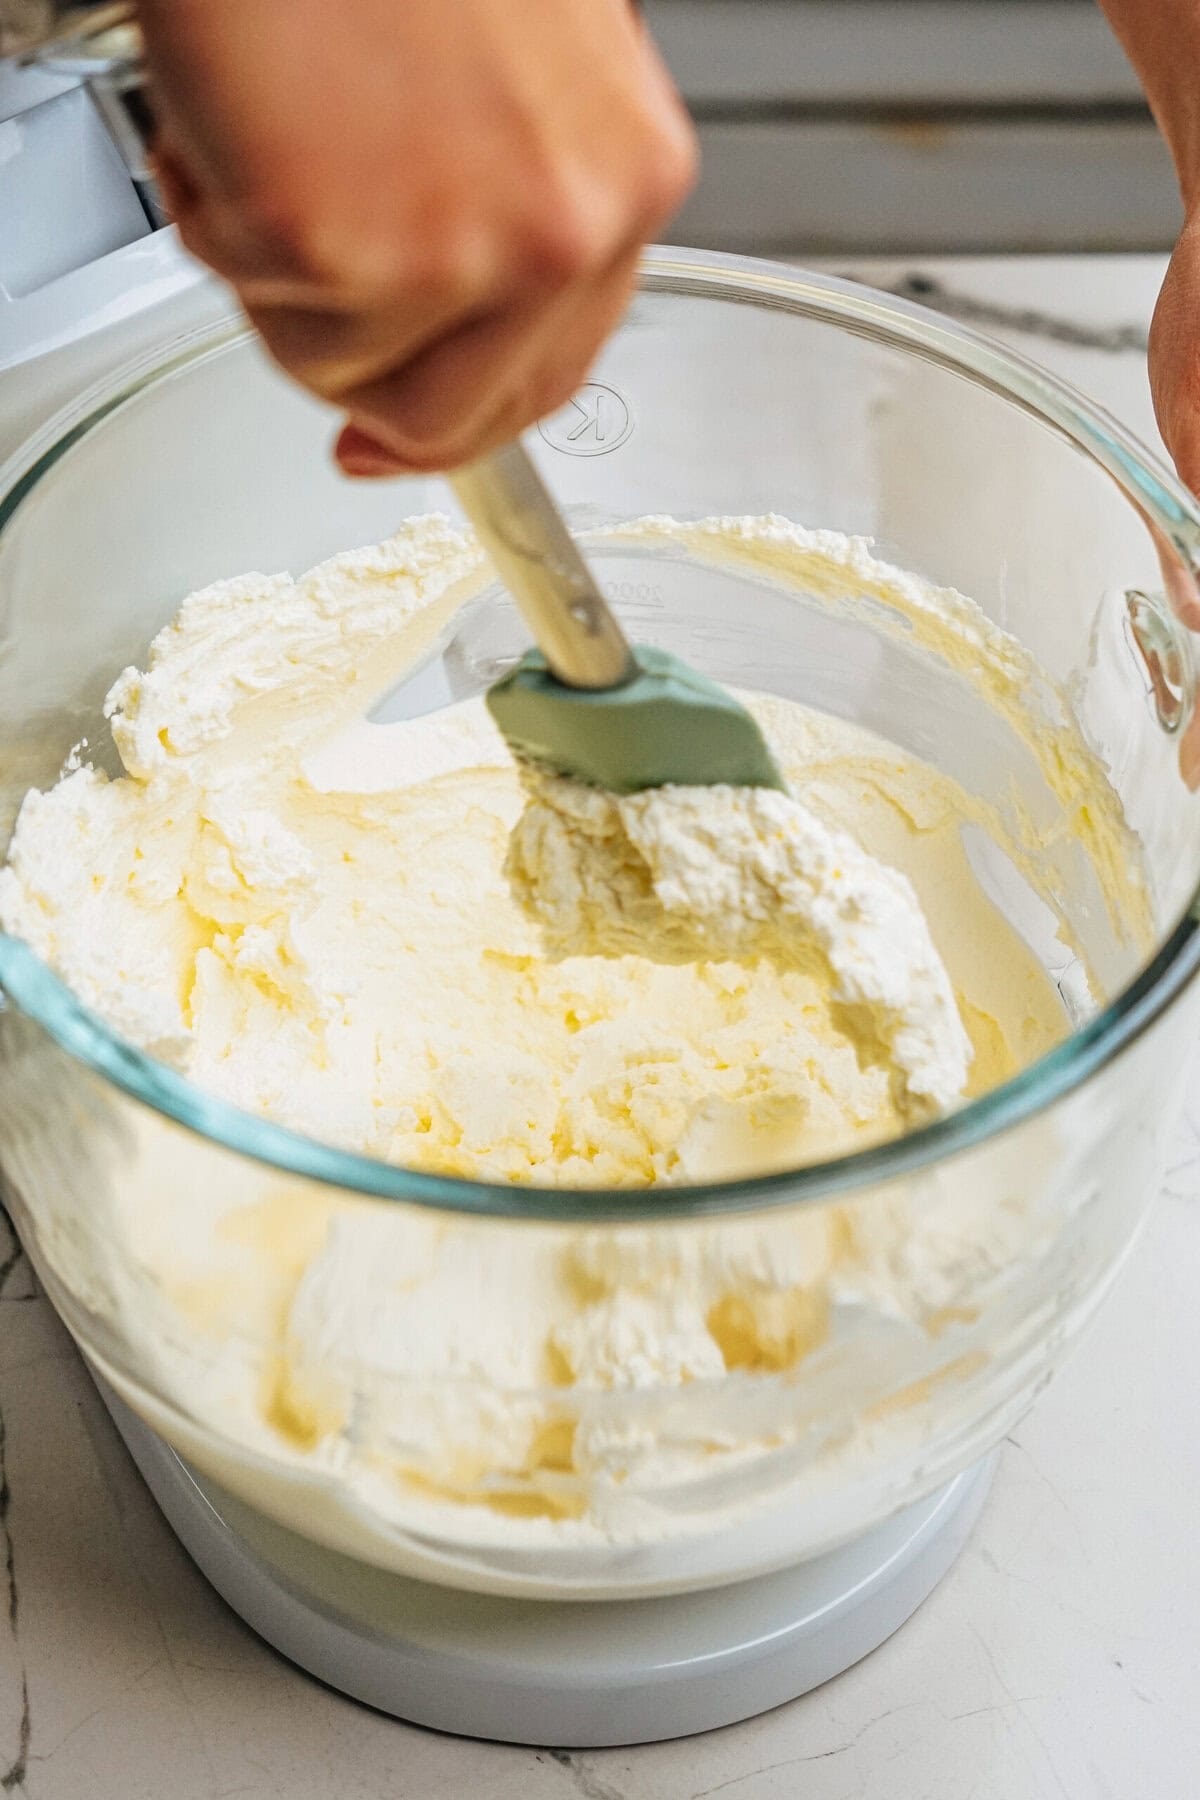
column 586, row 1783
column 13, row 1779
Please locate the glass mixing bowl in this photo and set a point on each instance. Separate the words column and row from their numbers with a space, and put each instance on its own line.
column 732, row 387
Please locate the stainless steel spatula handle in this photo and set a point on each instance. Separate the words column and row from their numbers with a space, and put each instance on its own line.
column 535, row 555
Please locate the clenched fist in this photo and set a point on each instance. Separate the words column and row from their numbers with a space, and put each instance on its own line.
column 431, row 209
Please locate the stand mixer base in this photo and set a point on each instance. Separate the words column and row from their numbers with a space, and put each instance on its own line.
column 565, row 1674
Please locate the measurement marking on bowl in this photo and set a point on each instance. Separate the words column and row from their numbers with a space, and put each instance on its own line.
column 594, row 421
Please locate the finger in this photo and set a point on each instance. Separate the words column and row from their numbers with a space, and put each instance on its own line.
column 336, row 351
column 1189, row 755
column 564, row 359
column 480, row 387
column 1183, row 593
column 1175, row 358
column 177, row 188
column 1184, row 445
column 440, row 398
column 1179, row 580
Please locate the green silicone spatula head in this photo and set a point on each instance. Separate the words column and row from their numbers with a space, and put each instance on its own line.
column 584, row 703
column 665, row 724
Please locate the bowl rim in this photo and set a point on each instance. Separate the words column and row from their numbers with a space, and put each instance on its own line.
column 30, row 985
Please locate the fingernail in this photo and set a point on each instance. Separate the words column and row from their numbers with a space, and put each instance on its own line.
column 1189, row 757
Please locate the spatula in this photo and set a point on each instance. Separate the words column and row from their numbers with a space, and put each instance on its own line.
column 585, row 703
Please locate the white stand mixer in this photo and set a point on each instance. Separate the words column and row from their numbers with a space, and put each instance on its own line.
column 570, row 1674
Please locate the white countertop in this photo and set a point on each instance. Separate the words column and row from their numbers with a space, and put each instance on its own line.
column 1059, row 1660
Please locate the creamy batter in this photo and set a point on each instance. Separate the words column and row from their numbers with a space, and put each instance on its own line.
column 315, row 917
column 710, row 874
column 312, row 915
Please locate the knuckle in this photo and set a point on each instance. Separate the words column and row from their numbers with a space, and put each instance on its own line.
column 671, row 168
column 294, row 240
column 561, row 244
column 573, row 232
column 445, row 263
column 360, row 258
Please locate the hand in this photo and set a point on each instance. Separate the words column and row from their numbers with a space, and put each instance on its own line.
column 431, row 209
column 1175, row 386
column 1175, row 356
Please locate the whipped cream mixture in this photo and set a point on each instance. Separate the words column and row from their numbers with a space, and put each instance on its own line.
column 711, row 874
column 376, row 935
column 313, row 917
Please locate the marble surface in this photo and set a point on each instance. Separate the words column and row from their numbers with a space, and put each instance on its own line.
column 1059, row 1660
